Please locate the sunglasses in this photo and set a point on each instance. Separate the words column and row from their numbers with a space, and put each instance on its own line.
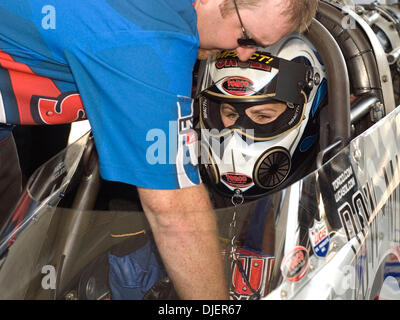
column 245, row 41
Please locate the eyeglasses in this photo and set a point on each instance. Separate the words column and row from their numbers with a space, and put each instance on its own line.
column 245, row 41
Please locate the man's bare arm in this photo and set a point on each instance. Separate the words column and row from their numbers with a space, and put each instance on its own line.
column 185, row 230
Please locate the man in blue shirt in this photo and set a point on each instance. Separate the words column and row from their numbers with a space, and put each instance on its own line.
column 127, row 67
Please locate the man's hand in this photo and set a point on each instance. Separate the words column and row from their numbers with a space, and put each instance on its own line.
column 185, row 230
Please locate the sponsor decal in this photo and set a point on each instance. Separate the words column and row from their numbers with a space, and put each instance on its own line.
column 229, row 59
column 191, row 137
column 319, row 238
column 365, row 185
column 188, row 137
column 257, row 56
column 250, row 273
column 186, row 156
column 295, row 264
column 67, row 107
column 38, row 99
column 238, row 86
column 237, row 180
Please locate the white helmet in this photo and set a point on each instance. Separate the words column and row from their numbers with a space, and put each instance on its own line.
column 249, row 155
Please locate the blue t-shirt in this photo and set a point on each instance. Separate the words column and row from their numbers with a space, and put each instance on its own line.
column 126, row 65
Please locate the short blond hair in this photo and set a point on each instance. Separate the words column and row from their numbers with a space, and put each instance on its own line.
column 299, row 12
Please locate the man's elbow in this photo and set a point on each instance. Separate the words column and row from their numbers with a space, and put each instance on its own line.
column 181, row 209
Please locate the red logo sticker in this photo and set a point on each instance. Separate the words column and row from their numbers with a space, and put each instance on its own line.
column 238, row 86
column 295, row 264
column 237, row 180
column 191, row 137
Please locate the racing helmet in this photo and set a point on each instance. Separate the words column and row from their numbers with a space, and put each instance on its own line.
column 257, row 155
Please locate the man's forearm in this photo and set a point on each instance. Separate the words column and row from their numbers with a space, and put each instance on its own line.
column 185, row 230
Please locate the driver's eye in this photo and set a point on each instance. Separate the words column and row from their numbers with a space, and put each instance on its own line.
column 263, row 117
column 232, row 115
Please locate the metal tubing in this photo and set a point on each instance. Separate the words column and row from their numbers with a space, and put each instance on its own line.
column 393, row 56
column 362, row 107
column 362, row 67
column 338, row 83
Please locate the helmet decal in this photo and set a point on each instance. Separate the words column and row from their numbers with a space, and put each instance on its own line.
column 238, row 86
column 307, row 143
column 320, row 95
column 230, row 59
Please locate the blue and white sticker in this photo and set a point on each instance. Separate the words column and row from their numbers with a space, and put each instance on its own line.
column 319, row 238
column 186, row 157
